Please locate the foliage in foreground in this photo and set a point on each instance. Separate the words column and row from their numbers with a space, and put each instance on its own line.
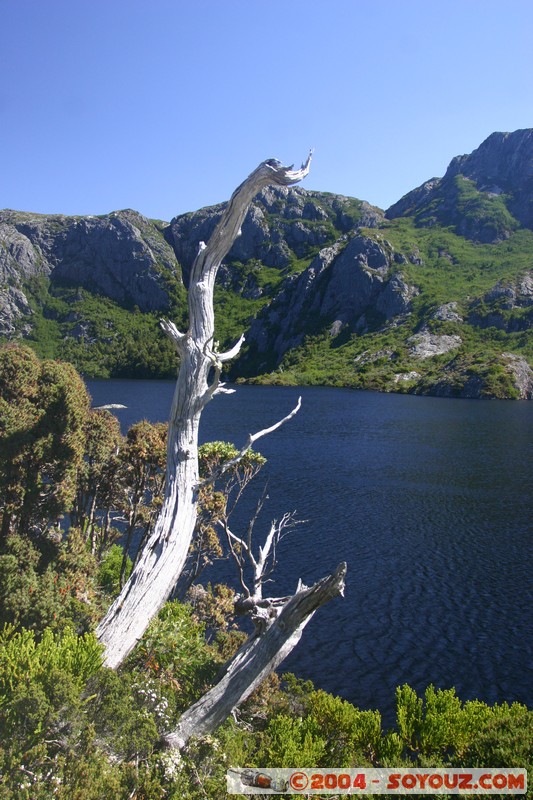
column 70, row 728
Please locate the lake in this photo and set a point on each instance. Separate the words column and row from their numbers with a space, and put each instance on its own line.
column 429, row 502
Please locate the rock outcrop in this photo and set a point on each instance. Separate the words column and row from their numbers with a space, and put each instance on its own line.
column 485, row 195
column 507, row 306
column 342, row 284
column 426, row 344
column 14, row 308
column 522, row 375
column 459, row 380
column 447, row 313
column 20, row 259
column 121, row 255
column 502, row 165
column 283, row 224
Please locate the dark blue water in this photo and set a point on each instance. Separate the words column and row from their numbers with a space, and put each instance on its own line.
column 427, row 499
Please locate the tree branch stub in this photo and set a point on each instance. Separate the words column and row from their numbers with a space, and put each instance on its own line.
column 258, row 657
column 252, row 437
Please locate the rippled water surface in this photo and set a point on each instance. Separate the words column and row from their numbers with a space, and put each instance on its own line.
column 429, row 502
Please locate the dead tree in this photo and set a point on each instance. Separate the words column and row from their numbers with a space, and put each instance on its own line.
column 262, row 653
column 279, row 622
column 165, row 551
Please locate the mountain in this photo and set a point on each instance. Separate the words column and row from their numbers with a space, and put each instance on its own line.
column 485, row 196
column 87, row 289
column 433, row 296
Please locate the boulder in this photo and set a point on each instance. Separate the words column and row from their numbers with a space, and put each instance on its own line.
column 426, row 345
column 522, row 374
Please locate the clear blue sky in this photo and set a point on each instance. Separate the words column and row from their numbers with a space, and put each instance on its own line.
column 165, row 105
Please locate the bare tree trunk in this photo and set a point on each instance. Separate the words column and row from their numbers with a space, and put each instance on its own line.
column 90, row 523
column 165, row 551
column 257, row 658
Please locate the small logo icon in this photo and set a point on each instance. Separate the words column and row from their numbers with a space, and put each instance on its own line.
column 299, row 781
column 252, row 777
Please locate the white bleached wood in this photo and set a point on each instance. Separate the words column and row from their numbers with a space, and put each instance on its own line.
column 256, row 659
column 252, row 437
column 172, row 332
column 261, row 565
column 229, row 354
column 163, row 557
column 221, row 389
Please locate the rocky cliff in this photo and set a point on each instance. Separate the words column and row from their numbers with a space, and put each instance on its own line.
column 433, row 296
column 120, row 255
column 343, row 284
column 283, row 225
column 485, row 195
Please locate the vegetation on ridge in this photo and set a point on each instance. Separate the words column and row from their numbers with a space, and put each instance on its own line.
column 97, row 303
column 103, row 338
column 445, row 268
column 70, row 728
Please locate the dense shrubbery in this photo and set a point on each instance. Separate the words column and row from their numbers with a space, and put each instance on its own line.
column 70, row 728
column 445, row 268
column 73, row 729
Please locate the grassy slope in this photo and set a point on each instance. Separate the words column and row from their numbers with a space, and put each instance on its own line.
column 452, row 268
column 443, row 265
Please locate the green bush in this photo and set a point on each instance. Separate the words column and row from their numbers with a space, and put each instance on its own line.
column 352, row 736
column 439, row 723
column 120, row 715
column 48, row 584
column 293, row 740
column 41, row 682
column 174, row 650
column 505, row 740
column 110, row 567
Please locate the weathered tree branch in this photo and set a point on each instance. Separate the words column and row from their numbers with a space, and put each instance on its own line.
column 252, row 437
column 165, row 552
column 266, row 561
column 233, row 352
column 173, row 333
column 262, row 564
column 257, row 658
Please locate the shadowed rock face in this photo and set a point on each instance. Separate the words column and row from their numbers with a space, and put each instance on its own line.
column 120, row 255
column 341, row 285
column 283, row 223
column 485, row 194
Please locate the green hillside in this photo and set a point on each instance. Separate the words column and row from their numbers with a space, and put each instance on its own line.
column 446, row 268
column 434, row 296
